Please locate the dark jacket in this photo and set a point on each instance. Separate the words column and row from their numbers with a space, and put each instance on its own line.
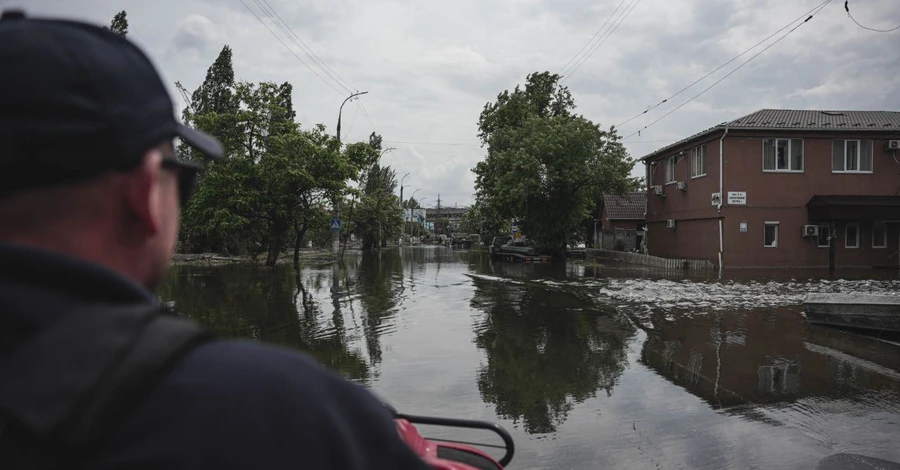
column 227, row 404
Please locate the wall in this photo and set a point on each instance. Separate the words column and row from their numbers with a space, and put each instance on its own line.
column 691, row 239
column 782, row 197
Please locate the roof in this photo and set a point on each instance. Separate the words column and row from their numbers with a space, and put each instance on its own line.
column 629, row 206
column 808, row 119
column 853, row 207
column 854, row 200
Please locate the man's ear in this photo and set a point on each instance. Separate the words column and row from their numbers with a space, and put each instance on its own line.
column 145, row 198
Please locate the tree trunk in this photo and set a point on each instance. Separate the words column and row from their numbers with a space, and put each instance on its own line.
column 274, row 250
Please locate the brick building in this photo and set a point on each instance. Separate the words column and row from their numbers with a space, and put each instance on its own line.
column 767, row 190
column 623, row 214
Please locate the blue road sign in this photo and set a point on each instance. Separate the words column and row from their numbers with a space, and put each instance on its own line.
column 335, row 225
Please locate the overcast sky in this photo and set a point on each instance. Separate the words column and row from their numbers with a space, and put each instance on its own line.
column 430, row 67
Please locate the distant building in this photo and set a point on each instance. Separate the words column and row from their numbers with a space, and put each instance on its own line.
column 767, row 190
column 452, row 214
column 622, row 216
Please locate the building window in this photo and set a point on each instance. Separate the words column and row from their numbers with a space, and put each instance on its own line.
column 851, row 156
column 783, row 155
column 670, row 170
column 879, row 236
column 824, row 236
column 771, row 235
column 851, row 236
column 698, row 161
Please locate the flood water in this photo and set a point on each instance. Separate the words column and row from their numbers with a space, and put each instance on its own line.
column 587, row 367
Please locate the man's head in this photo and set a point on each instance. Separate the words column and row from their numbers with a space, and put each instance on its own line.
column 87, row 163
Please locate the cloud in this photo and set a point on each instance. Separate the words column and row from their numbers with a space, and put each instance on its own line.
column 195, row 33
column 430, row 69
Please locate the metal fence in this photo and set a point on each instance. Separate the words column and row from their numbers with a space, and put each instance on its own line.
column 653, row 261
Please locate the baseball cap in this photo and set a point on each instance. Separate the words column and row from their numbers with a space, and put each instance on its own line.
column 77, row 100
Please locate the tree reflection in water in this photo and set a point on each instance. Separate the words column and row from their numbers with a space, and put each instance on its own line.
column 380, row 289
column 272, row 306
column 546, row 350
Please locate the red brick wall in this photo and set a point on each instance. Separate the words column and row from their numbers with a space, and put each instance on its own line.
column 780, row 197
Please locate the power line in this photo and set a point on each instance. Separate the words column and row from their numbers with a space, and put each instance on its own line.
column 289, row 32
column 446, row 144
column 366, row 115
column 731, row 72
column 585, row 46
column 612, row 29
column 847, row 7
column 291, row 50
column 821, row 5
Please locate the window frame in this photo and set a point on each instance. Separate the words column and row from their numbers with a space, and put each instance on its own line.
column 847, row 227
column 883, row 227
column 766, row 225
column 790, row 155
column 825, row 229
column 671, row 162
column 698, row 153
column 859, row 152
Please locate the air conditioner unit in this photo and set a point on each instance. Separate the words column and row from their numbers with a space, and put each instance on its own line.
column 681, row 185
column 810, row 230
column 658, row 191
column 670, row 223
column 893, row 145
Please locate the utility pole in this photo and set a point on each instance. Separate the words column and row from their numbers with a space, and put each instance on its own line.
column 336, row 213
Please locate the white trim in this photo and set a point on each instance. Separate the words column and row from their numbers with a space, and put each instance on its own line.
column 767, row 225
column 790, row 156
column 883, row 227
column 698, row 176
column 858, row 157
column 847, row 226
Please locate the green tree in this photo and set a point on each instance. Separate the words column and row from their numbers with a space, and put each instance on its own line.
column 546, row 166
column 119, row 24
column 411, row 203
column 378, row 217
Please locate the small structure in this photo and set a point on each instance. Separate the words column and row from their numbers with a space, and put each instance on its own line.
column 870, row 312
column 622, row 220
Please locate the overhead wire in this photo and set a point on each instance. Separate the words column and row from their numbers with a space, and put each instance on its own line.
column 611, row 30
column 589, row 41
column 847, row 7
column 277, row 19
column 730, row 73
column 723, row 65
column 291, row 50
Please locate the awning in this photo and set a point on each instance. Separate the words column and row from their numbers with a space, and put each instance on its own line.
column 853, row 208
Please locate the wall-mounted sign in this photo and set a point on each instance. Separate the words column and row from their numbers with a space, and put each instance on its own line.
column 737, row 197
column 716, row 199
column 743, row 226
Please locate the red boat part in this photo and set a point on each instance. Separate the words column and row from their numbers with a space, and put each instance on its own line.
column 445, row 455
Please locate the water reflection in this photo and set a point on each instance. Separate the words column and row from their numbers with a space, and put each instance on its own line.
column 756, row 357
column 276, row 307
column 545, row 351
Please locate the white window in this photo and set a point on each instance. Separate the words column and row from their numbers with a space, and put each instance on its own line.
column 851, row 156
column 824, row 236
column 670, row 170
column 771, row 235
column 698, row 161
column 879, row 235
column 851, row 236
column 783, row 155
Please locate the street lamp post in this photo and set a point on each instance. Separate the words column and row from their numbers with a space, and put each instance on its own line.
column 336, row 213
column 342, row 110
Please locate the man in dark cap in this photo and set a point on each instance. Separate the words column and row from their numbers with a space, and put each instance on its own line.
column 92, row 373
